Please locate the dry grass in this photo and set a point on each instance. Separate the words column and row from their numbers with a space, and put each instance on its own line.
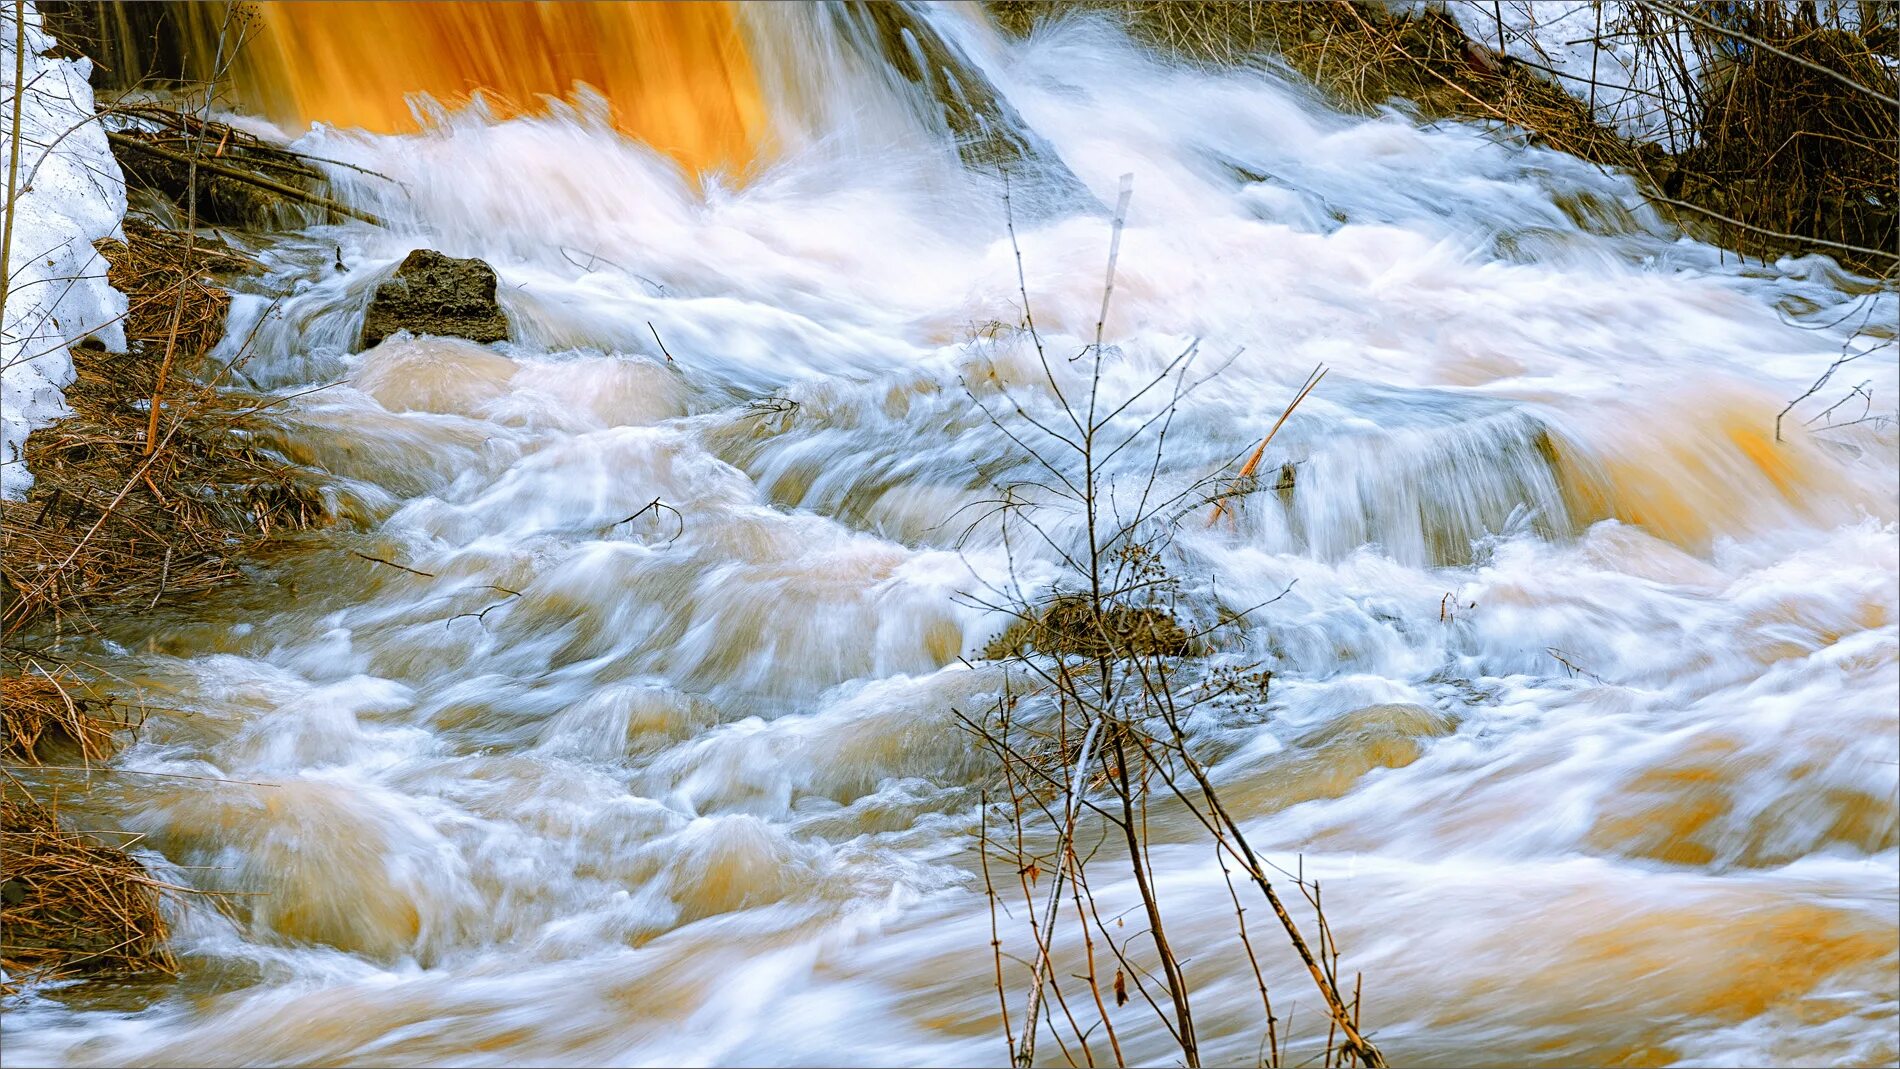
column 1068, row 626
column 45, row 710
column 1788, row 148
column 109, row 523
column 69, row 904
column 148, row 267
column 156, row 486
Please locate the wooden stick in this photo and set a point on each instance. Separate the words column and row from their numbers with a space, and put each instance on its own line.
column 13, row 144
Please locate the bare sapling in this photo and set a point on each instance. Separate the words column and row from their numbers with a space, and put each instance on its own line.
column 1089, row 738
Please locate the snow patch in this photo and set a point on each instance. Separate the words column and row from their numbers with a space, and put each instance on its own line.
column 70, row 194
column 1637, row 85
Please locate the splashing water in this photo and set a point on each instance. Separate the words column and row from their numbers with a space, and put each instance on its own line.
column 1585, row 696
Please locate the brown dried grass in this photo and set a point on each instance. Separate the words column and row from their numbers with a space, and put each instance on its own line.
column 112, row 522
column 1788, row 148
column 70, row 904
column 1068, row 626
column 149, row 268
column 108, row 523
column 44, row 711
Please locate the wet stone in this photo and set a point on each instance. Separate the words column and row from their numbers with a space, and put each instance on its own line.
column 440, row 295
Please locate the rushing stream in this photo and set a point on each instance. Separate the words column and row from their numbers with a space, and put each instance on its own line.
column 1585, row 685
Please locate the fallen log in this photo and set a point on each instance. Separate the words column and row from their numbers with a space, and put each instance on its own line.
column 288, row 192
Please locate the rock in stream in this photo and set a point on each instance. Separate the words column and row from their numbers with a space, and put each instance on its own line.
column 435, row 294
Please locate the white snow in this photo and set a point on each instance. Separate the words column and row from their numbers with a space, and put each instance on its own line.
column 70, row 193
column 1638, row 85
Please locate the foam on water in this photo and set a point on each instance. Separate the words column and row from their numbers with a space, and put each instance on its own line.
column 1585, row 696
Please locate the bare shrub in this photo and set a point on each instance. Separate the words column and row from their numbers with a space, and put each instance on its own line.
column 1089, row 737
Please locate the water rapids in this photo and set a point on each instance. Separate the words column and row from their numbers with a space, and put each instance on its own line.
column 1585, row 686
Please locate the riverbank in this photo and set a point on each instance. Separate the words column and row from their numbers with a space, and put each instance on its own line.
column 137, row 477
column 1775, row 132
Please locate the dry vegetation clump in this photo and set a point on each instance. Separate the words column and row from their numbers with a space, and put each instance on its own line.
column 70, row 904
column 44, row 711
column 1775, row 156
column 1788, row 147
column 1068, row 626
column 112, row 519
column 148, row 267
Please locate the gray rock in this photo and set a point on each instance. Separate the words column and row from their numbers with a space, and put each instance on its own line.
column 435, row 294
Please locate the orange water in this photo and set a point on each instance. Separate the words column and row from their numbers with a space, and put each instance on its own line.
column 675, row 75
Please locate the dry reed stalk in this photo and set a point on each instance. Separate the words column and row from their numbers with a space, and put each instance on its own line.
column 1234, row 489
column 13, row 153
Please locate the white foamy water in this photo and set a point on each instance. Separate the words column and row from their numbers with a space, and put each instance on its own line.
column 1584, row 698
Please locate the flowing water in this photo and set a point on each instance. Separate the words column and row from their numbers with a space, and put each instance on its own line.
column 1585, row 684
